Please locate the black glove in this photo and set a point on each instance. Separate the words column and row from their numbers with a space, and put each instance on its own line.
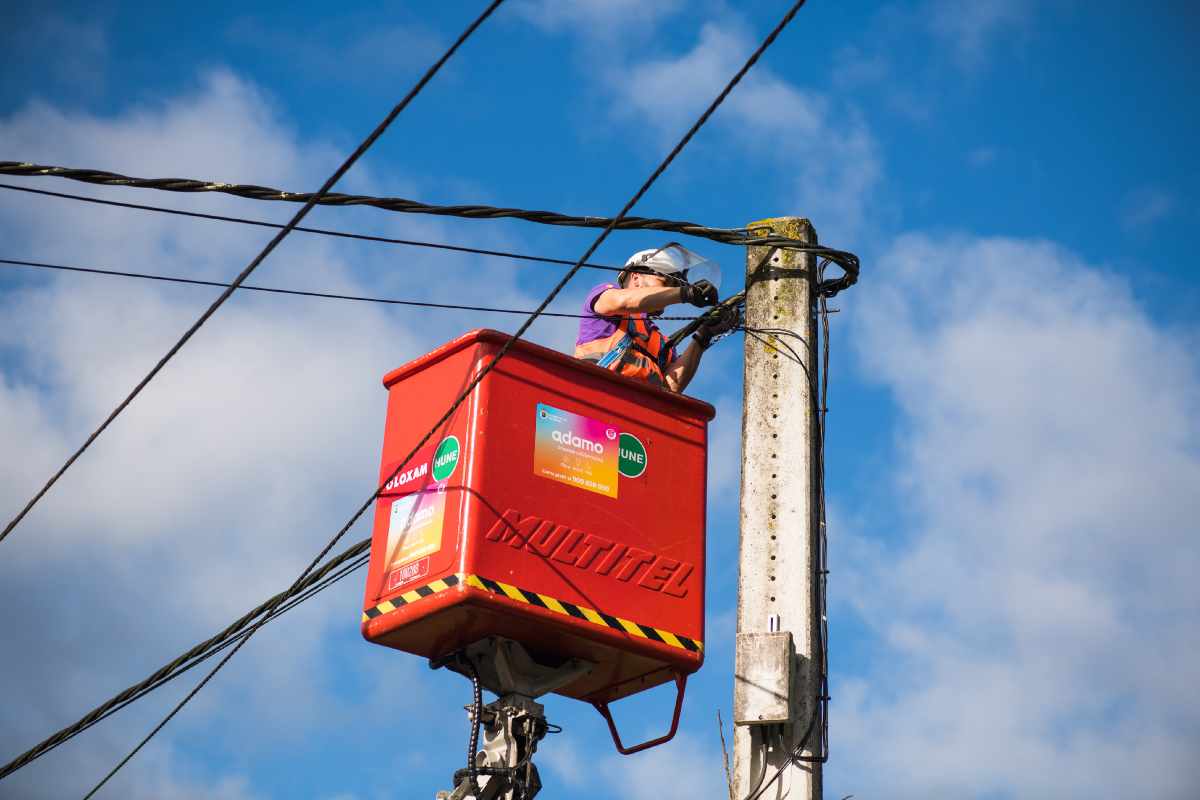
column 722, row 322
column 700, row 294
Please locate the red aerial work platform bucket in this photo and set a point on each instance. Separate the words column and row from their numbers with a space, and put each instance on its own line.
column 562, row 507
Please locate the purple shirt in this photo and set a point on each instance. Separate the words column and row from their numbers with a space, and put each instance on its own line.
column 594, row 326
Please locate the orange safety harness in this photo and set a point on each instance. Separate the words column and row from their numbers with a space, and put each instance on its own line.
column 637, row 349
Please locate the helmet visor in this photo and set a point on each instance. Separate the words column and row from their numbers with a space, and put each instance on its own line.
column 677, row 262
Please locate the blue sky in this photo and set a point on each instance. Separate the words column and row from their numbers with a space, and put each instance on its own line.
column 1012, row 451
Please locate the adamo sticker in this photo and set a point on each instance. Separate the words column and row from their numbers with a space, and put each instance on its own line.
column 415, row 526
column 575, row 450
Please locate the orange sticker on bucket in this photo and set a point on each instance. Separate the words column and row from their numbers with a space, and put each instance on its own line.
column 575, row 450
column 415, row 526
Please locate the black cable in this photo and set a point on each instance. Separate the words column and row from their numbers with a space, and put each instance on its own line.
column 309, row 203
column 362, row 148
column 203, row 650
column 476, row 721
column 735, row 236
column 298, row 292
column 509, row 343
column 791, row 758
column 356, row 555
column 322, row 231
column 184, row 666
column 398, row 204
column 365, row 544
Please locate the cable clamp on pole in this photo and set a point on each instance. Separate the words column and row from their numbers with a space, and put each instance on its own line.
column 774, row 274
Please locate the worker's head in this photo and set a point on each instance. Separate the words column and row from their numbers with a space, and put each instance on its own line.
column 668, row 265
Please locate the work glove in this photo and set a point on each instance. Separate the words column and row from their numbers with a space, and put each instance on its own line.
column 700, row 294
column 716, row 326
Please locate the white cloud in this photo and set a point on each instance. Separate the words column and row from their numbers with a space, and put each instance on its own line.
column 604, row 19
column 1034, row 627
column 1145, row 206
column 391, row 48
column 821, row 150
column 81, row 48
column 826, row 150
column 972, row 29
column 223, row 479
column 724, row 437
column 682, row 769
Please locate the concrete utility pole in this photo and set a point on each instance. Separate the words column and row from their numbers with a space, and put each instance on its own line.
column 777, row 669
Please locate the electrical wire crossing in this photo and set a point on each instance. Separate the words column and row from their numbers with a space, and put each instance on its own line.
column 734, row 236
column 295, row 587
column 309, row 203
column 330, row 572
column 398, row 204
column 302, row 229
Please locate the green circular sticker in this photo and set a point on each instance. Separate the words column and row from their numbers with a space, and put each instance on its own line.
column 445, row 458
column 632, row 462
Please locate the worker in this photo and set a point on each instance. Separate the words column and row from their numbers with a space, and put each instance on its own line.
column 618, row 333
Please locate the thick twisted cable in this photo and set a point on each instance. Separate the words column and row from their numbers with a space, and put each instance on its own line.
column 734, row 236
column 400, row 204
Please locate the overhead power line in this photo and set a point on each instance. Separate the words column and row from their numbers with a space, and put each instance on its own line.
column 308, row 205
column 735, row 236
column 301, row 581
column 310, row 201
column 322, row 231
column 297, row 292
column 399, row 204
column 329, row 573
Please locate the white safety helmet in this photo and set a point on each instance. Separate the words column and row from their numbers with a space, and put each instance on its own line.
column 674, row 262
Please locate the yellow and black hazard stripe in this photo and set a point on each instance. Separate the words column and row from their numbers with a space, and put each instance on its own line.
column 584, row 613
column 535, row 599
column 412, row 596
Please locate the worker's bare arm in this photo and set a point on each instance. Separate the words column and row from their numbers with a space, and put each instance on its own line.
column 636, row 300
column 680, row 371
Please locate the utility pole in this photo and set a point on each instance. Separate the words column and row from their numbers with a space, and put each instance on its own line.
column 777, row 673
